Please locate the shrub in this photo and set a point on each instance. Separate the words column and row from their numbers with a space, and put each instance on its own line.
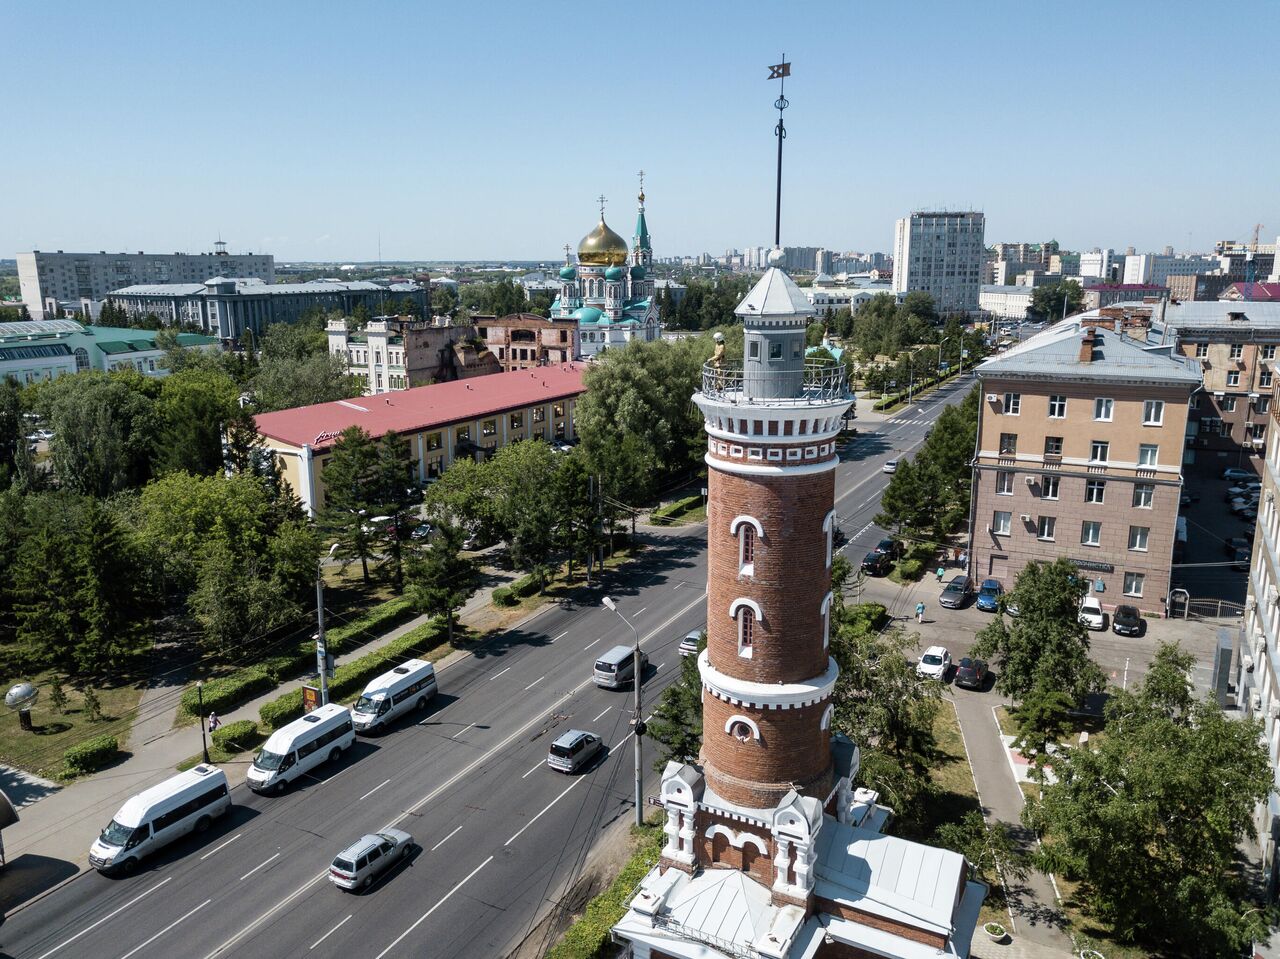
column 224, row 694
column 677, row 508
column 370, row 624
column 282, row 710
column 238, row 736
column 911, row 569
column 525, row 586
column 502, row 596
column 92, row 754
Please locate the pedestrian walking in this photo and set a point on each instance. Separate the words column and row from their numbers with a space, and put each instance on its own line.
column 941, row 572
column 214, row 722
column 919, row 612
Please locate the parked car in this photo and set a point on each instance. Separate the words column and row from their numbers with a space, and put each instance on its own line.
column 989, row 594
column 689, row 645
column 421, row 532
column 1243, row 490
column 574, row 750
column 876, row 564
column 971, row 673
column 890, row 547
column 1242, row 506
column 357, row 866
column 1236, row 543
column 891, row 466
column 1241, row 559
column 1091, row 614
column 934, row 664
column 957, row 592
column 1235, row 473
column 1126, row 621
column 1249, row 515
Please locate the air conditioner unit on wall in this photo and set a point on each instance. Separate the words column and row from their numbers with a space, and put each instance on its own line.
column 993, row 398
column 1031, row 480
column 1025, row 517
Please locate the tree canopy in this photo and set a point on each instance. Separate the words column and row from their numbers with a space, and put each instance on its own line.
column 1047, row 301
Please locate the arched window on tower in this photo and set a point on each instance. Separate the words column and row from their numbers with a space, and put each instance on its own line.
column 746, row 630
column 826, row 621
column 829, row 532
column 749, row 533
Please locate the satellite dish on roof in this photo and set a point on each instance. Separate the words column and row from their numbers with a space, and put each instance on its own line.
column 21, row 696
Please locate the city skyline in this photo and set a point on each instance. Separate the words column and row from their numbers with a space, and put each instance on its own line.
column 283, row 140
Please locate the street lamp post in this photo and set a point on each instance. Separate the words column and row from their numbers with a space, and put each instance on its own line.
column 638, row 722
column 322, row 658
column 204, row 743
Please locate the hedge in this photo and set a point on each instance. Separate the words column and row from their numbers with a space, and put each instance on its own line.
column 525, row 586
column 238, row 736
column 678, row 508
column 92, row 754
column 223, row 695
column 893, row 399
column 867, row 617
column 502, row 596
column 589, row 937
column 351, row 678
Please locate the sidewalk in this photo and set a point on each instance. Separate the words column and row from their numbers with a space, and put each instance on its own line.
column 49, row 844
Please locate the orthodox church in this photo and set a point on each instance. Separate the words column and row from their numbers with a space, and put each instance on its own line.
column 610, row 292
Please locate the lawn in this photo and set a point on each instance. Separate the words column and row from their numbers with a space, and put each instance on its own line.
column 40, row 751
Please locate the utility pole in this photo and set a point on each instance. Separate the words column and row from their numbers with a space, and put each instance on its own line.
column 638, row 722
column 322, row 654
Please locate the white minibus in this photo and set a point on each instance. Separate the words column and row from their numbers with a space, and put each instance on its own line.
column 393, row 694
column 187, row 802
column 304, row 744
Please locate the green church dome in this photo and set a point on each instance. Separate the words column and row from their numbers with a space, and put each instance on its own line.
column 568, row 273
column 637, row 272
column 587, row 314
column 614, row 273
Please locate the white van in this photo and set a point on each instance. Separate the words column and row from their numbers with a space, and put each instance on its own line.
column 393, row 694
column 304, row 744
column 187, row 802
column 617, row 667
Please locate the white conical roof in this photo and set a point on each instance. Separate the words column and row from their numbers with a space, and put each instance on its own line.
column 776, row 294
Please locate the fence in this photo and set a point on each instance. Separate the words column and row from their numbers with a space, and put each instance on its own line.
column 1182, row 606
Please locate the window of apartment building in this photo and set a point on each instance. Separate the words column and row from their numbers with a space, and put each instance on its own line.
column 1202, row 350
column 1048, row 487
column 1090, row 533
column 1012, row 404
column 1009, row 443
column 1004, row 483
column 1269, row 352
column 1233, row 378
column 1237, row 350
column 1143, row 495
column 1262, row 404
column 462, row 434
column 1044, row 529
column 1001, row 522
column 488, row 427
column 1153, row 412
column 1264, row 379
column 557, row 410
column 1148, row 454
column 1210, row 424
column 1103, row 406
column 435, row 441
column 1138, row 538
column 1133, row 584
column 517, row 421
column 539, row 414
column 1057, row 407
column 1095, row 491
column 1053, row 446
column 1228, row 404
column 1099, row 451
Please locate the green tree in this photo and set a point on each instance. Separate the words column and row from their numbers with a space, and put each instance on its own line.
column 393, row 498
column 105, row 430
column 45, row 608
column 293, row 553
column 236, row 601
column 1149, row 820
column 991, row 849
column 194, row 406
column 920, row 304
column 92, row 705
column 444, row 300
column 1047, row 301
column 524, row 480
column 13, row 434
column 442, row 580
column 1045, row 646
column 676, row 724
column 1043, row 717
column 296, row 368
column 353, row 482
column 111, row 605
column 57, row 696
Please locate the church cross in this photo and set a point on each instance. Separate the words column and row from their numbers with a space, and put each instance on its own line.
column 601, row 199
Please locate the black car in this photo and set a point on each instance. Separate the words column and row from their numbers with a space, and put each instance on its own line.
column 890, row 547
column 876, row 564
column 957, row 592
column 971, row 673
column 1241, row 559
column 1236, row 543
column 1126, row 621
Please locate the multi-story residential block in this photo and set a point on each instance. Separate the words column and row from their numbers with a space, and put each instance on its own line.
column 1103, row 264
column 1079, row 454
column 399, row 352
column 523, row 340
column 1065, row 264
column 1105, row 294
column 54, row 283
column 941, row 253
column 1154, row 269
column 1197, row 286
column 37, row 350
column 1006, row 302
column 442, row 422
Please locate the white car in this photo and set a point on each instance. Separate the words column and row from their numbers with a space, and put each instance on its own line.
column 891, row 466
column 934, row 664
column 1091, row 613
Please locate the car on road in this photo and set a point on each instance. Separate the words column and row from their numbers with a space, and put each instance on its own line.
column 989, row 594
column 1236, row 543
column 421, row 532
column 934, row 664
column 357, row 866
column 890, row 547
column 1235, row 473
column 1091, row 614
column 1126, row 621
column 876, row 564
column 971, row 673
column 689, row 645
column 1243, row 489
column 891, row 466
column 616, row 667
column 957, row 592
column 574, row 750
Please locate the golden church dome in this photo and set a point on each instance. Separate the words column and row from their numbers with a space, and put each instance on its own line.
column 602, row 247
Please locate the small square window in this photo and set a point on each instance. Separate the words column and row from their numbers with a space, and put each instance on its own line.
column 1045, row 528
column 1237, row 350
column 1143, row 495
column 1057, row 407
column 1001, row 522
column 1103, row 407
column 1138, row 538
column 1090, row 533
column 1049, row 487
column 1008, row 443
column 1004, row 483
column 1133, row 584
column 1233, row 378
column 1012, row 404
column 1053, row 446
column 1152, row 412
column 1202, row 350
column 1099, row 451
column 1095, row 491
column 1148, row 453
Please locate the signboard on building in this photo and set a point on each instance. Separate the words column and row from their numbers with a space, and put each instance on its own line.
column 310, row 698
column 1093, row 567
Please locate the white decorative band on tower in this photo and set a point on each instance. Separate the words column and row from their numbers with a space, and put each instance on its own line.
column 760, row 469
column 744, row 692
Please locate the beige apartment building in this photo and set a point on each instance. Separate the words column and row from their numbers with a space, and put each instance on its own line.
column 1079, row 455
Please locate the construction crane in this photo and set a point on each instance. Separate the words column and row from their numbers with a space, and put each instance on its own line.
column 1249, row 267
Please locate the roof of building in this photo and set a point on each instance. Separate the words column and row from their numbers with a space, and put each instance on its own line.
column 160, row 289
column 1210, row 314
column 1054, row 353
column 423, row 407
column 39, row 328
column 1125, row 287
column 1006, row 289
column 775, row 294
column 255, row 287
column 33, row 351
column 1257, row 292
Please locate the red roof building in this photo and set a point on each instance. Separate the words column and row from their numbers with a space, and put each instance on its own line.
column 443, row 421
column 1252, row 292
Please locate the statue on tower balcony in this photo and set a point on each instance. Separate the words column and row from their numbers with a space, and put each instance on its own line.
column 717, row 358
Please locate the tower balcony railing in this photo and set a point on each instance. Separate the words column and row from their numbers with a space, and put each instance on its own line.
column 819, row 382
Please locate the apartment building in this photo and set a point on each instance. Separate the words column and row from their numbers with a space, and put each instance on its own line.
column 1079, row 454
column 399, row 352
column 1154, row 269
column 942, row 254
column 1006, row 302
column 1197, row 286
column 522, row 340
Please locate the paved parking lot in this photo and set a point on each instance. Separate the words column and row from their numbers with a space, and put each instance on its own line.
column 1205, row 571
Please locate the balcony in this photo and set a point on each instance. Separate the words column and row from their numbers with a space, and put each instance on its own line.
column 819, row 383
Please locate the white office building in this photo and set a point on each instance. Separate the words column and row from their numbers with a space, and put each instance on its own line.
column 941, row 253
column 1006, row 302
column 1103, row 264
column 55, row 283
column 1156, row 268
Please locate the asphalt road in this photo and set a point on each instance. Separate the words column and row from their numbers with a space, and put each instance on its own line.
column 500, row 837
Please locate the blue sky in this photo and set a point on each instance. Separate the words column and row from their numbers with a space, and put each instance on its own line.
column 487, row 129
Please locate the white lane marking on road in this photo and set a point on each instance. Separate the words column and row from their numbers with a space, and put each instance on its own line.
column 138, row 949
column 507, row 670
column 535, row 682
column 677, row 585
column 544, row 809
column 602, row 712
column 331, row 932
column 484, row 757
column 116, row 912
column 540, row 764
column 640, row 610
column 400, row 937
column 259, row 866
column 222, row 846
column 462, row 730
column 561, row 636
column 446, row 839
column 589, row 645
column 368, row 794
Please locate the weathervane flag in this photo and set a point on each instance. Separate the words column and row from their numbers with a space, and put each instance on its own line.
column 779, row 70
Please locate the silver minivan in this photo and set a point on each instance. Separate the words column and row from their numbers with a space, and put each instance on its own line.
column 616, row 668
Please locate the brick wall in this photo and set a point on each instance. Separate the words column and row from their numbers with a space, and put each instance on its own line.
column 878, row 922
column 717, row 853
column 792, row 749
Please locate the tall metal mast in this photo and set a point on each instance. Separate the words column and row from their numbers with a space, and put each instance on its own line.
column 779, row 72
